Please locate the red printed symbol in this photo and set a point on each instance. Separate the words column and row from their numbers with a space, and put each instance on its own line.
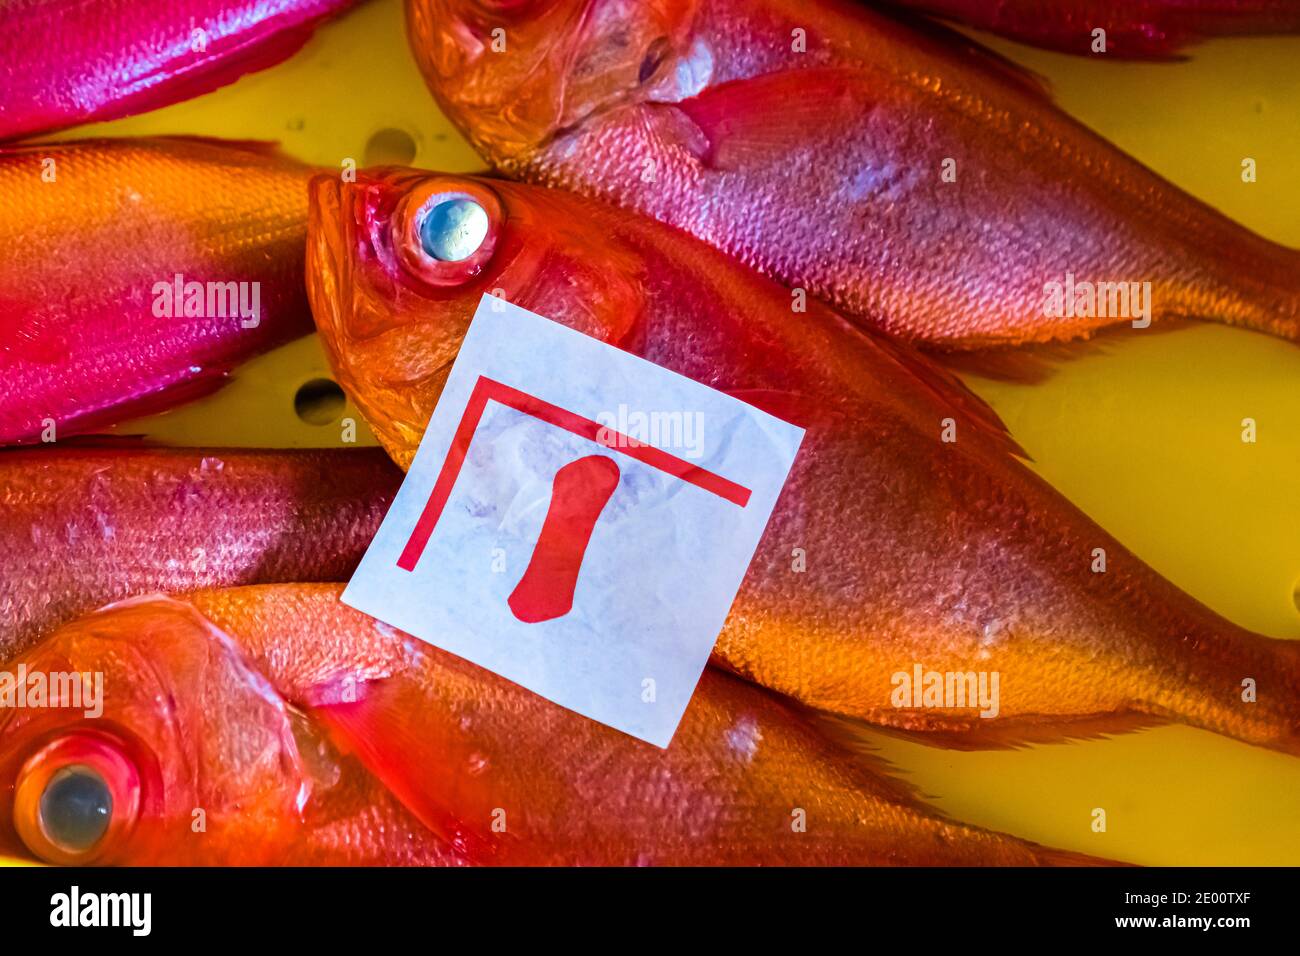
column 578, row 495
column 546, row 589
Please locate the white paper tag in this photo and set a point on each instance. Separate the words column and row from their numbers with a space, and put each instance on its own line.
column 577, row 520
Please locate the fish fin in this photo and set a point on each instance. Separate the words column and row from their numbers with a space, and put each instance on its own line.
column 1033, row 363
column 1050, row 856
column 163, row 400
column 261, row 147
column 1016, row 733
column 1024, row 365
column 846, row 733
column 957, row 45
column 379, row 727
column 750, row 122
column 951, row 391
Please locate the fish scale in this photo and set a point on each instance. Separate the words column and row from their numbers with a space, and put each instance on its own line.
column 948, row 554
column 101, row 59
column 764, row 152
column 458, row 744
column 80, row 527
column 82, row 343
column 1134, row 29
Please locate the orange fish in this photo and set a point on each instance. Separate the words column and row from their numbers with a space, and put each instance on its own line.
column 911, row 178
column 143, row 735
column 909, row 540
column 82, row 526
column 242, row 703
column 137, row 273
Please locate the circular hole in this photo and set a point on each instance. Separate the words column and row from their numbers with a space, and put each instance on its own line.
column 390, row 147
column 319, row 402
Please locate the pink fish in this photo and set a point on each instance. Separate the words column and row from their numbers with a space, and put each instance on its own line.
column 64, row 62
column 1133, row 29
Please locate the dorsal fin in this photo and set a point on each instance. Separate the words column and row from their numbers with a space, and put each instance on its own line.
column 952, row 43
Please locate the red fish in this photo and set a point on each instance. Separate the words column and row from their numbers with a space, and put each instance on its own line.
column 170, row 747
column 909, row 177
column 64, row 62
column 908, row 541
column 138, row 273
column 1134, row 29
column 80, row 527
column 241, row 703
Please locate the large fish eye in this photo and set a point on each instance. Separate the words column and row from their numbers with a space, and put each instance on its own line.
column 76, row 798
column 75, row 808
column 445, row 230
column 453, row 230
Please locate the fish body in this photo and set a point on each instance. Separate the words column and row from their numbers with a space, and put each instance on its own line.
column 1134, row 29
column 926, row 542
column 912, row 179
column 279, row 688
column 80, row 527
column 187, row 751
column 65, row 62
column 138, row 273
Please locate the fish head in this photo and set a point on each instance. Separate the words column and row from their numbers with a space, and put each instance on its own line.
column 398, row 261
column 512, row 74
column 153, row 741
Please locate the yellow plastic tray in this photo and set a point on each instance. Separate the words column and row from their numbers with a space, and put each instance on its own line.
column 1144, row 436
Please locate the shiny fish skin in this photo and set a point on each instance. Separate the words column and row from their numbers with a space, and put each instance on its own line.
column 80, row 527
column 825, row 168
column 950, row 555
column 1135, row 29
column 457, row 742
column 81, row 342
column 64, row 62
column 201, row 730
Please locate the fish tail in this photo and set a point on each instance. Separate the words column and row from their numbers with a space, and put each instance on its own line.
column 1276, row 693
column 1248, row 687
column 1252, row 283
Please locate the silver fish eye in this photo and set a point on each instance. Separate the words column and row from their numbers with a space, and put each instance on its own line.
column 76, row 808
column 453, row 230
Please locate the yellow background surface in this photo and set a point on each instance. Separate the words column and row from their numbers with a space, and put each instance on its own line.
column 1144, row 434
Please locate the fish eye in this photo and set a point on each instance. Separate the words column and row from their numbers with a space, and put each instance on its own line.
column 453, row 230
column 75, row 808
column 76, row 798
column 445, row 231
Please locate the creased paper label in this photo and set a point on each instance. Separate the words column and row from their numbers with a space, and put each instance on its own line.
column 577, row 520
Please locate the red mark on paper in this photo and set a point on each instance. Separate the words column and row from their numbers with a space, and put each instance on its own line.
column 578, row 495
column 485, row 390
